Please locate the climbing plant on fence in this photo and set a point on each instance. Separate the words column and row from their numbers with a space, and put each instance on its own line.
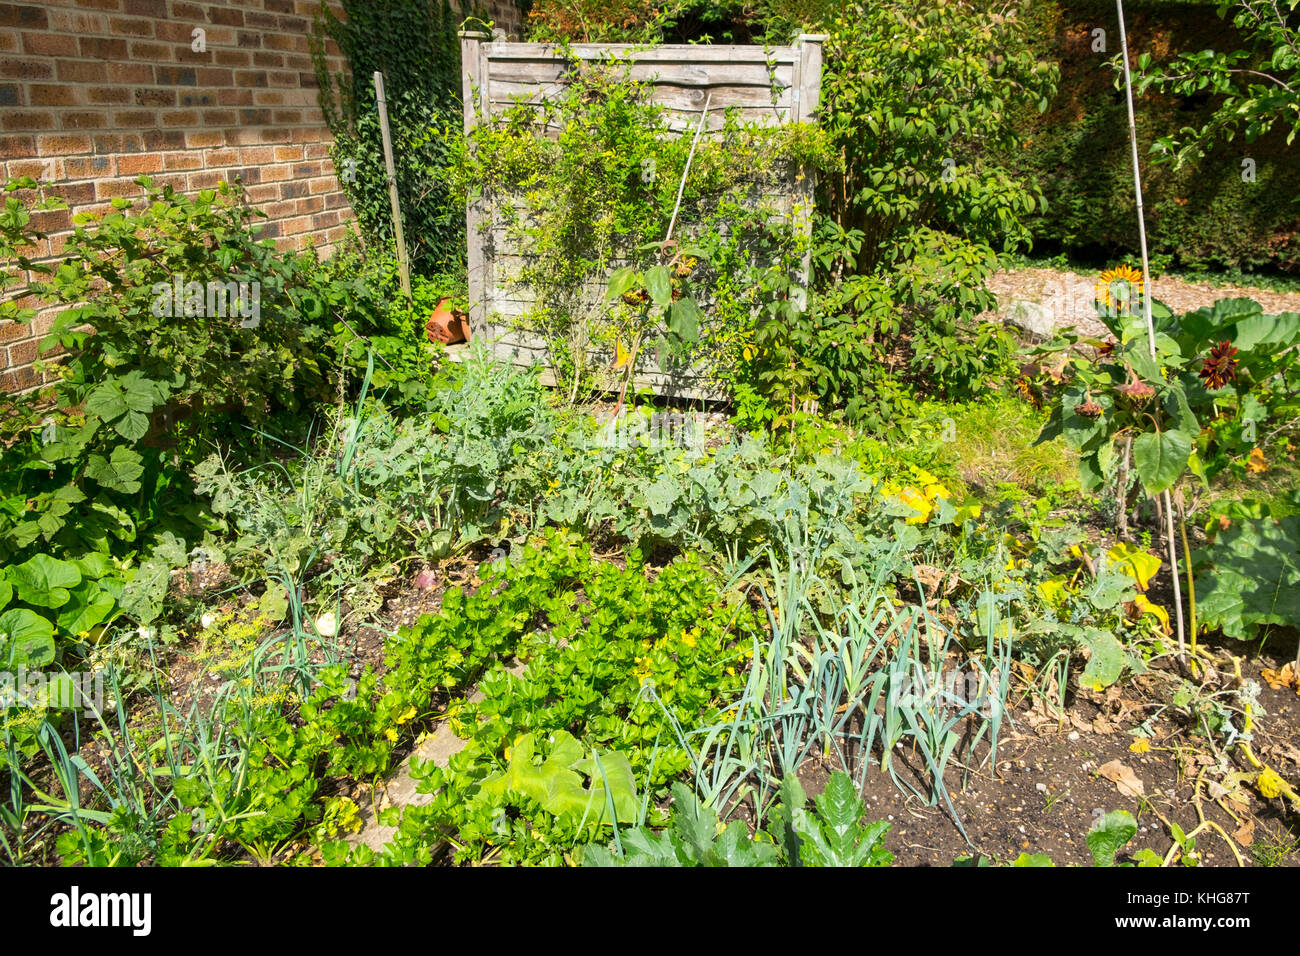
column 592, row 205
column 414, row 44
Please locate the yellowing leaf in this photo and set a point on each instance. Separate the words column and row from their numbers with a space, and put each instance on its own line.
column 1155, row 610
column 1140, row 746
column 1136, row 563
column 621, row 355
column 1052, row 591
column 1270, row 784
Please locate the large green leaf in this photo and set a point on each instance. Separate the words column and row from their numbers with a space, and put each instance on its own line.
column 836, row 836
column 26, row 639
column 44, row 581
column 88, row 605
column 1109, row 835
column 1106, row 662
column 660, row 286
column 684, row 320
column 118, row 472
column 557, row 785
column 1160, row 458
column 1250, row 577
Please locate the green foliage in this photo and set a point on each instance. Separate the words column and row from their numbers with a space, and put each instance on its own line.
column 835, row 834
column 1251, row 579
column 1201, row 212
column 831, row 834
column 1110, row 834
column 1219, row 389
column 920, row 204
column 414, row 44
column 1257, row 86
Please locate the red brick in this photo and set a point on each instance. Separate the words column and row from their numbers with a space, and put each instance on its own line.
column 155, row 97
column 130, row 27
column 88, row 167
column 207, row 179
column 220, row 157
column 82, row 71
column 146, row 8
column 118, row 143
column 27, row 119
column 155, row 52
column 102, row 48
column 201, row 139
column 17, row 379
column 182, row 161
column 160, row 140
column 63, row 144
column 130, row 73
column 54, row 94
column 13, row 15
column 24, row 353
column 180, row 118
column 49, row 44
column 110, row 188
column 137, row 119
column 140, row 164
column 26, row 69
column 85, row 119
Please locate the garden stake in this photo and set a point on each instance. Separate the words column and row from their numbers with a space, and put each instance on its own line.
column 1170, row 547
column 405, row 266
column 681, row 188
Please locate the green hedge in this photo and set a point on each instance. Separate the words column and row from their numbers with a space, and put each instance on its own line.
column 1201, row 216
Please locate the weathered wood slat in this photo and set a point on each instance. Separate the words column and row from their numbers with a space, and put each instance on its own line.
column 544, row 72
column 670, row 95
column 667, row 53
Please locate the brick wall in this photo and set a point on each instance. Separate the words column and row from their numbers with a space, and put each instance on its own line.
column 94, row 93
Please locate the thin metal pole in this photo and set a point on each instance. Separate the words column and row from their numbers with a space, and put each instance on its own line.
column 403, row 265
column 1146, row 311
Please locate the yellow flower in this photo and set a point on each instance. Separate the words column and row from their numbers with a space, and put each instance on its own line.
column 1140, row 746
column 1125, row 282
column 690, row 637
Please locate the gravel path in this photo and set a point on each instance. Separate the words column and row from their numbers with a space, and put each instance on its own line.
column 1070, row 295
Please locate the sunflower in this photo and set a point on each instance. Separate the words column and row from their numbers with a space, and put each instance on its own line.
column 1119, row 289
column 1220, row 366
column 1027, row 393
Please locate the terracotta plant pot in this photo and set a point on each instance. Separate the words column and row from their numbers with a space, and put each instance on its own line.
column 447, row 325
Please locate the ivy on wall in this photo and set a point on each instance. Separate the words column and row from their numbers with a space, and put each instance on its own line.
column 414, row 44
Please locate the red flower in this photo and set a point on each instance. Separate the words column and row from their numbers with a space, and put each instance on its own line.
column 1219, row 367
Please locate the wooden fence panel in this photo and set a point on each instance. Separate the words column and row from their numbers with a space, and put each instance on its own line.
column 768, row 86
